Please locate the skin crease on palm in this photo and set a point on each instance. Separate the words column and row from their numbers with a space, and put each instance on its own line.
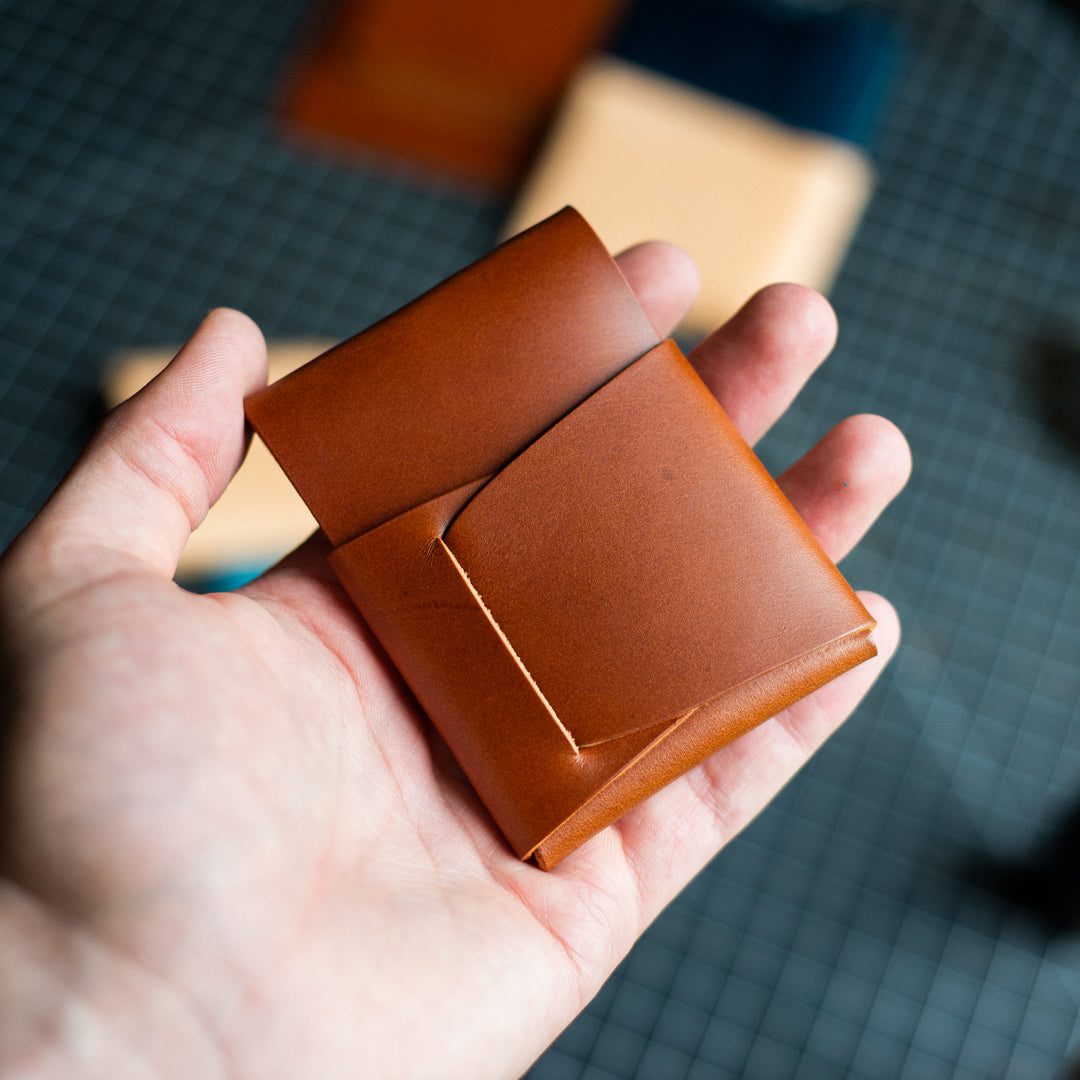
column 233, row 845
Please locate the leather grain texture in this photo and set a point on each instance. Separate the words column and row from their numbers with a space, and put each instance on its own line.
column 583, row 572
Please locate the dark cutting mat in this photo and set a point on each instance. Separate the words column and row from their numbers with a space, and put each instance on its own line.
column 846, row 933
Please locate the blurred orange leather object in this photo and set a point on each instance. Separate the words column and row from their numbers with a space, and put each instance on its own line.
column 462, row 87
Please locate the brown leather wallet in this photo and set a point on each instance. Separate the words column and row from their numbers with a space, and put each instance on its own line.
column 580, row 568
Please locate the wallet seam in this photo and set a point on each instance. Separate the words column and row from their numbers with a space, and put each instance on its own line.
column 508, row 645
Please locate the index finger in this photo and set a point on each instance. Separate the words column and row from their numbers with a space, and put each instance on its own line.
column 664, row 279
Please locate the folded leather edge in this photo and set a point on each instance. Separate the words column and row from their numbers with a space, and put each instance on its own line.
column 454, row 370
column 702, row 733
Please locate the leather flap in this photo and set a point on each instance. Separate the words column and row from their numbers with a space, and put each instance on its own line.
column 452, row 386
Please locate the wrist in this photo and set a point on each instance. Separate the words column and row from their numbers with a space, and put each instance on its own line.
column 72, row 1008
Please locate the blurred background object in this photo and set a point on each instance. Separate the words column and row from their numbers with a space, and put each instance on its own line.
column 753, row 200
column 735, row 128
column 147, row 176
column 460, row 87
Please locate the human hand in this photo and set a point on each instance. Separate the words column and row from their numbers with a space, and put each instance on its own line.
column 234, row 846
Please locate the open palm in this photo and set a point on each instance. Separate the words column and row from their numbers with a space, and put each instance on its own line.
column 233, row 845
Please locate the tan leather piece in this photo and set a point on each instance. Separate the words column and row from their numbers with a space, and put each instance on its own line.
column 582, row 571
column 753, row 201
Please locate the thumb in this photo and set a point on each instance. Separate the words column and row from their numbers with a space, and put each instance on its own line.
column 156, row 466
